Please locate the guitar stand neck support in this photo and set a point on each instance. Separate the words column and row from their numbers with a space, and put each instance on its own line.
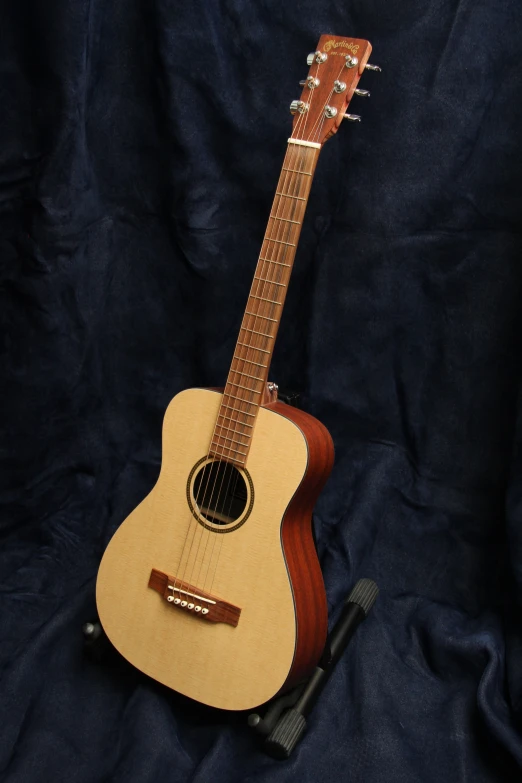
column 284, row 721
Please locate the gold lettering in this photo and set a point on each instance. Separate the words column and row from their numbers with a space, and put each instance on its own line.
column 329, row 45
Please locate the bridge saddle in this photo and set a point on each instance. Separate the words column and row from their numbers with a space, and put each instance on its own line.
column 184, row 596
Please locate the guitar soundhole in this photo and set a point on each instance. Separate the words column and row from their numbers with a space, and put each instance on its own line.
column 220, row 495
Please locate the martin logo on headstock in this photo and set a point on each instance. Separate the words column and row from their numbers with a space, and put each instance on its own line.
column 349, row 45
column 335, row 69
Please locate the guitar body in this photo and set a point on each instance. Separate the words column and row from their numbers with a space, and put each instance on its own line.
column 264, row 562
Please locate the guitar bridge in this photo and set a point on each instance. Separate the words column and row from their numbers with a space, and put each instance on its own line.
column 182, row 595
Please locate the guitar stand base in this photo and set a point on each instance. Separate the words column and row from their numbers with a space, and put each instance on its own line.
column 284, row 721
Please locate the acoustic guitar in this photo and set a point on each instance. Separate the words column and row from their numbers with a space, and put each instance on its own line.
column 212, row 585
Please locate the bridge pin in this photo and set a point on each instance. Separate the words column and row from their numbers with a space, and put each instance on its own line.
column 190, row 606
column 183, row 604
column 177, row 600
column 170, row 598
column 204, row 611
column 197, row 608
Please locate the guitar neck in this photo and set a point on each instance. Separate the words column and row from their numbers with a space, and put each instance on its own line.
column 251, row 361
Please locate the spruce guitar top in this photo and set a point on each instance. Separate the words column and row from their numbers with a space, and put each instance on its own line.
column 212, row 585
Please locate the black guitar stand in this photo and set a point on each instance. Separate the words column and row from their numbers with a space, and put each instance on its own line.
column 281, row 723
column 284, row 720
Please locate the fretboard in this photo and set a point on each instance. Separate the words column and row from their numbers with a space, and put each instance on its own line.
column 251, row 361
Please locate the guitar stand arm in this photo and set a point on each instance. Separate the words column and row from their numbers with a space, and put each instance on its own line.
column 284, row 721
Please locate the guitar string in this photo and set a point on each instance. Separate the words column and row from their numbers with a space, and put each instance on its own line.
column 264, row 281
column 252, row 392
column 240, row 373
column 265, row 309
column 292, row 165
column 242, row 361
column 252, row 329
column 218, row 454
column 234, row 429
column 228, row 429
column 322, row 117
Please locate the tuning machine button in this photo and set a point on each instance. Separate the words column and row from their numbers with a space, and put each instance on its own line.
column 370, row 67
column 362, row 93
column 310, row 82
column 298, row 106
column 352, row 117
column 318, row 57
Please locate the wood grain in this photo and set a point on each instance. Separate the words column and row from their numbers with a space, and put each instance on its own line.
column 299, row 547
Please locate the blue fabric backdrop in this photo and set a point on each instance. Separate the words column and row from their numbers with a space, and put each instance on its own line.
column 140, row 143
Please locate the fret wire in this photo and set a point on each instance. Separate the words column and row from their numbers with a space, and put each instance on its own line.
column 236, row 421
column 258, row 315
column 286, row 220
column 233, row 383
column 238, row 443
column 253, row 331
column 229, row 448
column 287, row 195
column 253, row 347
column 240, row 372
column 272, row 301
column 233, row 407
column 243, row 434
column 269, row 261
column 270, row 282
column 280, row 241
column 295, row 171
column 242, row 399
column 242, row 359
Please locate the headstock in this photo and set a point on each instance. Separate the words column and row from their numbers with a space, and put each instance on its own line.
column 335, row 69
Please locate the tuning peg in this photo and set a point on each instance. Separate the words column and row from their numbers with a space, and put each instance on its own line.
column 370, row 67
column 362, row 93
column 352, row 117
column 310, row 82
column 298, row 106
column 318, row 57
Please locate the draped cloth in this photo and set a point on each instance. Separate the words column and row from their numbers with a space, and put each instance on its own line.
column 140, row 148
